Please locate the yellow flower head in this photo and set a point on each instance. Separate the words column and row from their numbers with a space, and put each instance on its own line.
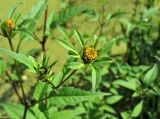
column 10, row 23
column 89, row 54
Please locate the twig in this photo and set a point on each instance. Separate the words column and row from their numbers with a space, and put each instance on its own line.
column 13, row 86
column 44, row 38
column 19, row 44
column 10, row 44
column 25, row 112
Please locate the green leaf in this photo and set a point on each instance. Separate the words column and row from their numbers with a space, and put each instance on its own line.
column 103, row 59
column 15, row 111
column 137, row 109
column 67, row 46
column 150, row 12
column 108, row 45
column 40, row 90
column 130, row 84
column 36, row 12
column 115, row 15
column 13, row 9
column 27, row 21
column 26, row 32
column 79, row 38
column 96, row 77
column 67, row 114
column 151, row 75
column 125, row 115
column 2, row 66
column 75, row 65
column 72, row 96
column 114, row 99
column 28, row 61
column 108, row 108
column 65, row 15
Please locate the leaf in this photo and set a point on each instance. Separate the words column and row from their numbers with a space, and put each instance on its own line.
column 114, row 99
column 26, row 32
column 108, row 45
column 67, row 114
column 150, row 12
column 96, row 77
column 151, row 75
column 108, row 108
column 103, row 59
column 40, row 90
column 67, row 46
column 125, row 115
column 36, row 12
column 79, row 38
column 15, row 111
column 75, row 65
column 72, row 96
column 137, row 109
column 115, row 15
column 20, row 58
column 27, row 21
column 130, row 84
column 13, row 9
column 2, row 66
column 65, row 15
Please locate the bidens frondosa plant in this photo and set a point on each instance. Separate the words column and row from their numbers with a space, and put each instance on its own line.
column 92, row 80
column 49, row 88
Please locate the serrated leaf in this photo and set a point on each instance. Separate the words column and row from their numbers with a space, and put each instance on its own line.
column 72, row 96
column 137, row 109
column 65, row 15
column 36, row 12
column 67, row 114
column 15, row 111
column 20, row 58
column 114, row 99
column 75, row 65
column 40, row 90
column 151, row 75
column 79, row 38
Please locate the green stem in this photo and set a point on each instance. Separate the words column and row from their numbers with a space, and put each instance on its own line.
column 19, row 44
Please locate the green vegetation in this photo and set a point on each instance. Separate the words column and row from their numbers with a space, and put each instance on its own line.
column 85, row 59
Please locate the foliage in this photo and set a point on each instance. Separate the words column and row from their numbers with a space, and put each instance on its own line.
column 94, row 83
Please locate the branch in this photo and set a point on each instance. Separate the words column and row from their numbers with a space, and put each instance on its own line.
column 13, row 86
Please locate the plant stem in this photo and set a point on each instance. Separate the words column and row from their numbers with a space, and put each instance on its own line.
column 10, row 44
column 21, row 85
column 19, row 44
column 14, row 87
column 44, row 38
column 25, row 112
column 63, row 81
column 46, row 98
column 40, row 100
